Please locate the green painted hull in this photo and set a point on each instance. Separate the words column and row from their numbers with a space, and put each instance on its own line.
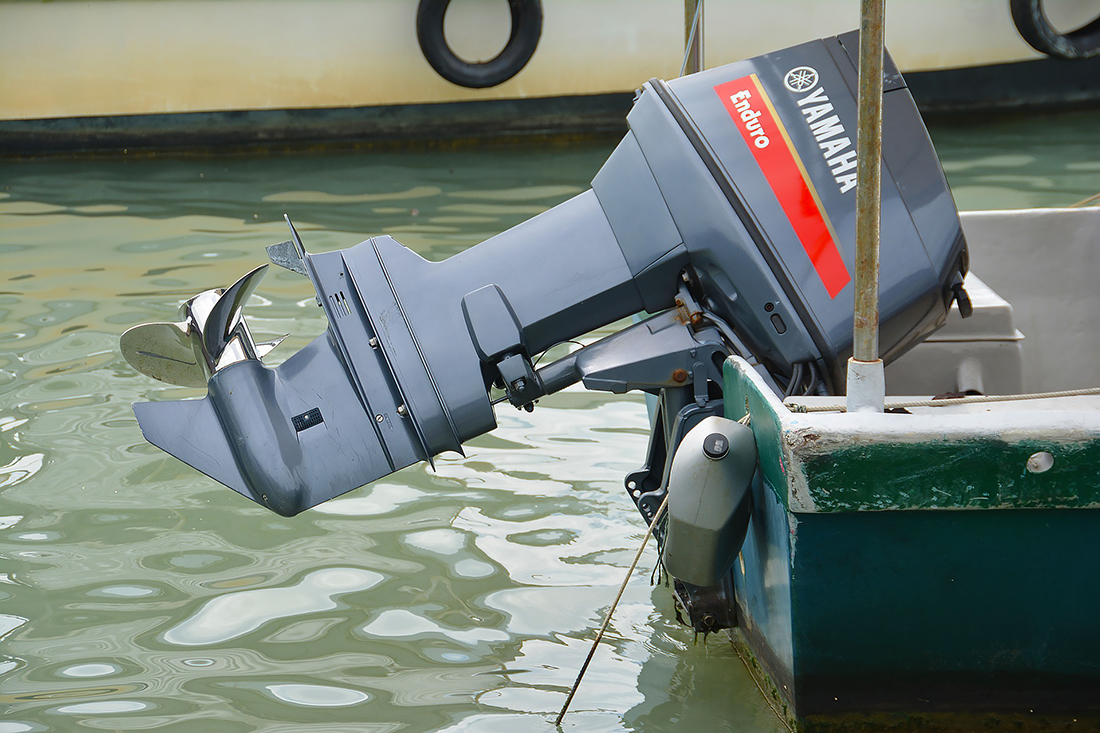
column 919, row 575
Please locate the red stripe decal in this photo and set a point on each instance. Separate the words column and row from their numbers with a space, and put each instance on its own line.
column 753, row 115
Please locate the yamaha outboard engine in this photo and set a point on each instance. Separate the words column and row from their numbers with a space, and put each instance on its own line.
column 728, row 210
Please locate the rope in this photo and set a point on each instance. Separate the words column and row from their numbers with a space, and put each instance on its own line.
column 1090, row 201
column 976, row 399
column 607, row 616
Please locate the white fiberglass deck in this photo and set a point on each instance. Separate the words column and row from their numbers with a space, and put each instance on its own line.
column 1036, row 296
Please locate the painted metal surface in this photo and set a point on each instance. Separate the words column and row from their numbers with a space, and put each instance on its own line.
column 762, row 579
column 109, row 58
column 985, row 473
column 923, row 569
column 167, row 56
column 960, row 457
column 938, row 611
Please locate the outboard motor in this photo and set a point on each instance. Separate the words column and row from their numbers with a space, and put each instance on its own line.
column 728, row 210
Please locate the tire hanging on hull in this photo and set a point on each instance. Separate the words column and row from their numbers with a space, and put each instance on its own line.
column 1035, row 28
column 522, row 42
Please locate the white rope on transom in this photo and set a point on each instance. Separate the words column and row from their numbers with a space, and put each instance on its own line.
column 950, row 401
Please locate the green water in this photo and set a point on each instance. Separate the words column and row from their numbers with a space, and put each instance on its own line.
column 136, row 594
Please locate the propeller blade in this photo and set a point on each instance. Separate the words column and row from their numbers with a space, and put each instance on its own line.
column 223, row 323
column 164, row 351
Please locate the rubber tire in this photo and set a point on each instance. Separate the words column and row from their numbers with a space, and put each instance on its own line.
column 524, row 39
column 1032, row 23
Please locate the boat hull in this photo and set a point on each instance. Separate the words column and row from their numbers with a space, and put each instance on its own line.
column 934, row 615
column 192, row 73
column 920, row 573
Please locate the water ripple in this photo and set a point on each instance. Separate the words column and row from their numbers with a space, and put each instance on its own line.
column 105, row 707
column 318, row 696
column 237, row 614
column 316, row 197
column 21, row 469
column 399, row 623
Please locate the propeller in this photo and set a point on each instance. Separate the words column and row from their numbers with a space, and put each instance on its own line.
column 211, row 335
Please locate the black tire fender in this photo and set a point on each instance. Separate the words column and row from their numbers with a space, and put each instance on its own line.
column 524, row 39
column 1032, row 23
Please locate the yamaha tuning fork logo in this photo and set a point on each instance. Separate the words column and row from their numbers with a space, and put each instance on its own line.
column 800, row 79
column 825, row 125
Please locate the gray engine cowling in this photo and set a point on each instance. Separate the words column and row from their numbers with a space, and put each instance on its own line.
column 728, row 209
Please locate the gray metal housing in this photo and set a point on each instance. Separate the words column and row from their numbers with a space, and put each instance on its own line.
column 689, row 218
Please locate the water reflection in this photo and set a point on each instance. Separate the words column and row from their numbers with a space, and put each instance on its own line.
column 21, row 468
column 399, row 623
column 103, row 708
column 229, row 616
column 318, row 696
column 89, row 670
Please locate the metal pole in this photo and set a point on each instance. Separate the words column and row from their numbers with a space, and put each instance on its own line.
column 693, row 37
column 869, row 173
column 866, row 387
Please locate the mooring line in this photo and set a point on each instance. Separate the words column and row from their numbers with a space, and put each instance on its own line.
column 951, row 401
column 746, row 420
column 607, row 616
